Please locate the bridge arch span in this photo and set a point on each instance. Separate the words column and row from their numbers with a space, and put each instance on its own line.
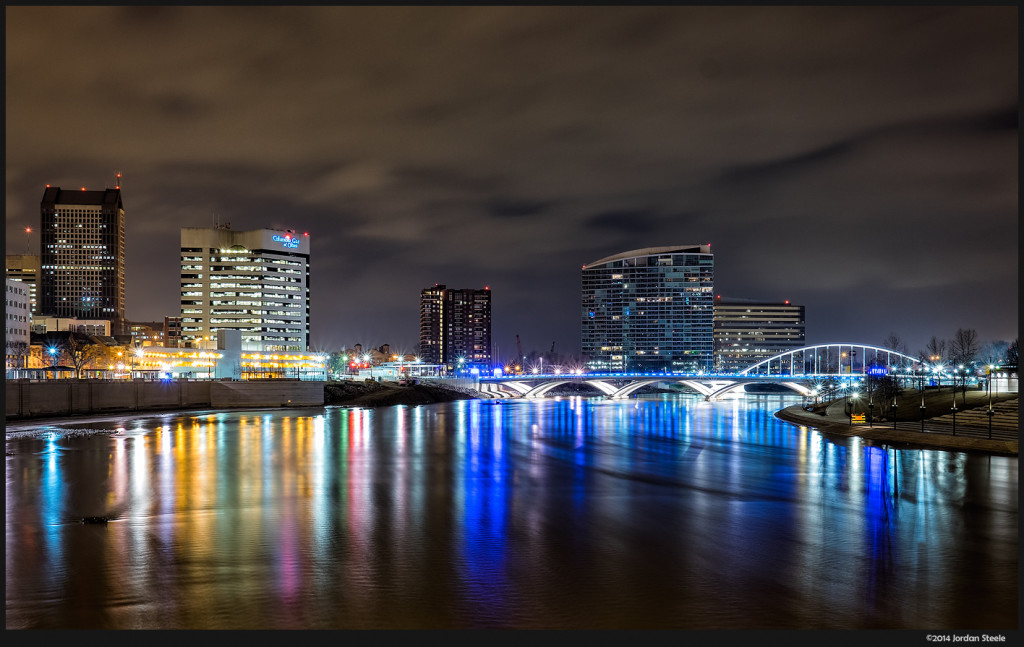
column 543, row 388
column 798, row 387
column 636, row 385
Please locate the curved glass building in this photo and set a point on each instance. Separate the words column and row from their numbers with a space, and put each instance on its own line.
column 650, row 310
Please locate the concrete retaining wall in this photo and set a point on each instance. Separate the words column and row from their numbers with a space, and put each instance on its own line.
column 266, row 393
column 38, row 399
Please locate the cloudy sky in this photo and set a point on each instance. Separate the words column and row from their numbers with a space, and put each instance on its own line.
column 861, row 161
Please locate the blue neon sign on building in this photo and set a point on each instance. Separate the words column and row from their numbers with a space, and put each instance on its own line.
column 287, row 241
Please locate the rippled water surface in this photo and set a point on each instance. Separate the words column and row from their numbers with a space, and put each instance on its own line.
column 662, row 512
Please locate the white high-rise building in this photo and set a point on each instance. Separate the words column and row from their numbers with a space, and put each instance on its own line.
column 16, row 330
column 256, row 282
column 19, row 312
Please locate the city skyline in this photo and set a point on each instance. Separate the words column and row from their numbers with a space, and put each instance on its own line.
column 860, row 161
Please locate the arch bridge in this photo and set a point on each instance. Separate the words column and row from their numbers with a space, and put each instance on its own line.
column 801, row 370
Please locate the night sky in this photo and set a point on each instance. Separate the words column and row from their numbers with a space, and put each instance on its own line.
column 861, row 161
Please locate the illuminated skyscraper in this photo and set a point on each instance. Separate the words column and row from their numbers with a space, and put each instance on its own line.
column 82, row 255
column 649, row 310
column 454, row 325
column 748, row 331
column 256, row 282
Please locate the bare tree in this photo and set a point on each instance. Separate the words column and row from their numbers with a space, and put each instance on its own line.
column 964, row 347
column 885, row 389
column 81, row 352
column 18, row 351
column 1012, row 354
column 934, row 351
column 894, row 342
column 993, row 352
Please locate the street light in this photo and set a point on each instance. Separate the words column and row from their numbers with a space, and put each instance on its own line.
column 955, row 371
column 923, row 408
column 988, row 387
column 136, row 353
column 963, row 384
column 871, row 403
column 854, row 396
column 53, row 358
column 894, row 405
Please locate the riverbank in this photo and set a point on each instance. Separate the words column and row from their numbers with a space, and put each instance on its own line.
column 383, row 394
column 84, row 400
column 832, row 420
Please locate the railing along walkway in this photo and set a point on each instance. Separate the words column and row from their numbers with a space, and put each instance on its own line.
column 969, row 423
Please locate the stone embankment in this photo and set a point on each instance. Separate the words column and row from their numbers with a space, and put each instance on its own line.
column 381, row 394
column 28, row 399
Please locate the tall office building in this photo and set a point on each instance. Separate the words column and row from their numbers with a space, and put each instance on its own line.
column 256, row 282
column 431, row 309
column 454, row 325
column 748, row 331
column 25, row 268
column 82, row 255
column 649, row 310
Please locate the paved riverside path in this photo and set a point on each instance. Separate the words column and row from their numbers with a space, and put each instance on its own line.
column 971, row 432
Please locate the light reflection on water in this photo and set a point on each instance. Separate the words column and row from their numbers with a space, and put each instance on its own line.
column 663, row 512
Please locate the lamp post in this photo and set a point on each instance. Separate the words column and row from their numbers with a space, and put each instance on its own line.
column 853, row 402
column 988, row 387
column 955, row 371
column 137, row 353
column 923, row 408
column 894, row 405
column 871, row 402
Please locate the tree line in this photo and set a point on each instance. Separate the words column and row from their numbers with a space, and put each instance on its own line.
column 963, row 349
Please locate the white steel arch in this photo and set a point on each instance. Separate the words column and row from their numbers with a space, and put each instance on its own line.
column 823, row 352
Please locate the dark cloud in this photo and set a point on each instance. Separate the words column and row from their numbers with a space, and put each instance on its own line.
column 997, row 121
column 510, row 208
column 862, row 159
column 639, row 221
column 181, row 106
column 773, row 170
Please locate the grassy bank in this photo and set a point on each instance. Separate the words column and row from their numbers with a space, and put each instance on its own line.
column 937, row 402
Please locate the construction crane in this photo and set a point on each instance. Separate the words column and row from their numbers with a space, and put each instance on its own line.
column 519, row 359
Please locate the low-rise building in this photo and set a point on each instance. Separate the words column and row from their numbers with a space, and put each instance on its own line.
column 71, row 324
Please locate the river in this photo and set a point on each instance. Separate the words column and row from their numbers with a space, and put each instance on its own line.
column 660, row 512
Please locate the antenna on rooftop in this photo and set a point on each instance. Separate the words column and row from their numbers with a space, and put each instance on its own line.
column 117, row 181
